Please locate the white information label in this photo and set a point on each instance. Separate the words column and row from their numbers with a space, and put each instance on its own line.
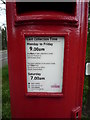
column 44, row 64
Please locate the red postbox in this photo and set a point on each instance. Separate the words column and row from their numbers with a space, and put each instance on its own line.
column 46, row 58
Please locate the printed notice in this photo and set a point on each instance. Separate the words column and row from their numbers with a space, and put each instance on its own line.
column 44, row 64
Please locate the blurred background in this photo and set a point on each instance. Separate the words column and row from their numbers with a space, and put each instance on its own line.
column 6, row 114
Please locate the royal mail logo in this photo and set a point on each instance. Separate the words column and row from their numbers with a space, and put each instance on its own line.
column 55, row 86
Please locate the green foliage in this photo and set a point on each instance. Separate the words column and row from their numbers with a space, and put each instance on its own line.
column 85, row 92
column 5, row 94
column 86, row 87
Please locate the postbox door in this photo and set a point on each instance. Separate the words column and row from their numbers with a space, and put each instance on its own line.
column 46, row 55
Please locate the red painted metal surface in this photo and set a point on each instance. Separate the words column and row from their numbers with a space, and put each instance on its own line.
column 73, row 26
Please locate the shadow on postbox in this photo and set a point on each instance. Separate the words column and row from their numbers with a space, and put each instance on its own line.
column 46, row 58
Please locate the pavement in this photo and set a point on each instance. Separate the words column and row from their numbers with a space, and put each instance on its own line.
column 3, row 58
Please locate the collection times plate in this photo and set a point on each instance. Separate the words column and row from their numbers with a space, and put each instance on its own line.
column 44, row 64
